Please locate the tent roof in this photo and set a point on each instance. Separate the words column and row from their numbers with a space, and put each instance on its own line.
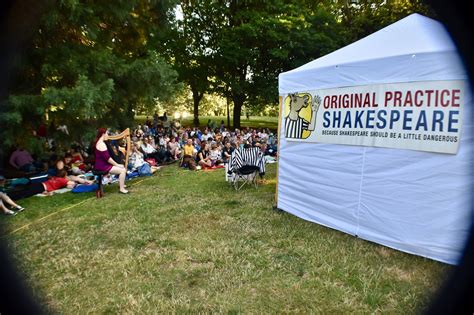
column 415, row 48
column 413, row 34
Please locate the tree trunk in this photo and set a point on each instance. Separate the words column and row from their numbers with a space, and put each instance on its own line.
column 196, row 113
column 238, row 103
column 126, row 119
column 196, row 100
column 228, row 112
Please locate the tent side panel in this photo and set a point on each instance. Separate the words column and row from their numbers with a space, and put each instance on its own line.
column 413, row 201
column 419, row 202
column 320, row 183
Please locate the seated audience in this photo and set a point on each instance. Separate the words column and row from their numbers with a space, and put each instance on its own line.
column 272, row 149
column 22, row 160
column 78, row 159
column 227, row 152
column 203, row 159
column 136, row 161
column 62, row 164
column 150, row 151
column 173, row 148
column 215, row 155
column 197, row 144
column 71, row 167
column 189, row 155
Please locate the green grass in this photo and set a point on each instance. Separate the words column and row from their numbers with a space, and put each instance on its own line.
column 252, row 122
column 186, row 242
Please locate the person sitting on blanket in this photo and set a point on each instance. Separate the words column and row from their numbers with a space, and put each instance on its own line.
column 215, row 155
column 227, row 152
column 189, row 153
column 71, row 167
column 137, row 160
column 150, row 151
column 47, row 187
column 272, row 148
column 197, row 144
column 62, row 165
column 147, row 147
column 203, row 158
column 22, row 160
column 173, row 148
column 77, row 158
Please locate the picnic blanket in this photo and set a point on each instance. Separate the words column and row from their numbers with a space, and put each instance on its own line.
column 57, row 191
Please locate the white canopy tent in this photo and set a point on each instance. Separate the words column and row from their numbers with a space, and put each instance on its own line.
column 416, row 201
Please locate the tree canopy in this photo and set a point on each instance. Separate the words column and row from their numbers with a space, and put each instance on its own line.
column 92, row 63
column 237, row 48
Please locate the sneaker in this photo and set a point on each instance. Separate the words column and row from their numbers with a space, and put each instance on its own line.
column 19, row 209
column 9, row 212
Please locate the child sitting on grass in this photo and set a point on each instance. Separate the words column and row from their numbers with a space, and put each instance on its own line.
column 215, row 155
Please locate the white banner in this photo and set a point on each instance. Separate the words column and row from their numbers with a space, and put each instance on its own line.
column 423, row 116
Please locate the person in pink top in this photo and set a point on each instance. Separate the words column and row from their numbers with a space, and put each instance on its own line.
column 103, row 161
column 22, row 160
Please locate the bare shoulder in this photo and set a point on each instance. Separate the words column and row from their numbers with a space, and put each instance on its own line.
column 101, row 146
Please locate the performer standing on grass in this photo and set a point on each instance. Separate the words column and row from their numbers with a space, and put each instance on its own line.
column 103, row 161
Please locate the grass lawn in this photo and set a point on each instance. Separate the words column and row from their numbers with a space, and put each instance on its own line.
column 185, row 241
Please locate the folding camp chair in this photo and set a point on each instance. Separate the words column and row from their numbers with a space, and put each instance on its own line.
column 245, row 165
column 247, row 174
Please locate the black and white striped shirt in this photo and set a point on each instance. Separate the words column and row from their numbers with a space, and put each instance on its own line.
column 250, row 156
column 294, row 128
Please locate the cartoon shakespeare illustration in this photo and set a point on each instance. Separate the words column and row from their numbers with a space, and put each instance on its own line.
column 301, row 119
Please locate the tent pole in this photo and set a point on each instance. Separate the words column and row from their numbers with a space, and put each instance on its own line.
column 280, row 114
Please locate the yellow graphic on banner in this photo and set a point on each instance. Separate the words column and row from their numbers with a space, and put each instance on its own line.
column 300, row 115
